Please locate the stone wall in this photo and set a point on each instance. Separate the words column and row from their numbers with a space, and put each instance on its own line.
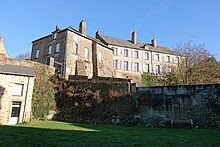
column 158, row 105
column 120, row 86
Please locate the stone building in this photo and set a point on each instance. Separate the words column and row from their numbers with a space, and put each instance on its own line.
column 131, row 58
column 16, row 87
column 2, row 48
column 73, row 52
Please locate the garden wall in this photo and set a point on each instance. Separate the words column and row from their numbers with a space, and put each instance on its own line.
column 158, row 105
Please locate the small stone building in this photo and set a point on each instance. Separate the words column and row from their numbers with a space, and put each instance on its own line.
column 16, row 88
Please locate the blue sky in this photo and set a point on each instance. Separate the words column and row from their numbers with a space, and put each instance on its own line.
column 169, row 21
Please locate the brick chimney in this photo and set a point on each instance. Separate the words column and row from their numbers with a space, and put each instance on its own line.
column 2, row 48
column 82, row 27
column 154, row 42
column 134, row 37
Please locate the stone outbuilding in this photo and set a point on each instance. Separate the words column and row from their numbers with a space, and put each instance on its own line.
column 16, row 88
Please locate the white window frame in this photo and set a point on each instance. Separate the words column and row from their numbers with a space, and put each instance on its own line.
column 125, row 52
column 146, row 55
column 125, row 65
column 18, row 90
column 57, row 48
column 49, row 50
column 86, row 53
column 115, row 51
column 37, row 54
column 168, row 59
column 176, row 60
column 75, row 48
column 146, row 67
column 115, row 64
column 136, row 66
column 156, row 57
column 136, row 54
column 157, row 69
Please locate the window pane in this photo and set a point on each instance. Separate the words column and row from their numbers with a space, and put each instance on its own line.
column 50, row 50
column 57, row 47
column 37, row 54
column 75, row 48
column 86, row 54
column 18, row 89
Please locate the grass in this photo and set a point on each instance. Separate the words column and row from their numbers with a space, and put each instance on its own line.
column 55, row 133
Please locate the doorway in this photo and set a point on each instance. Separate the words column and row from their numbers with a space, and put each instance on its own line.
column 15, row 112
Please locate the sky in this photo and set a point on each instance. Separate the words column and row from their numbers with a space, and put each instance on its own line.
column 169, row 21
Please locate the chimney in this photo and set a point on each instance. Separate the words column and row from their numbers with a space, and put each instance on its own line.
column 134, row 37
column 154, row 42
column 2, row 47
column 57, row 28
column 82, row 27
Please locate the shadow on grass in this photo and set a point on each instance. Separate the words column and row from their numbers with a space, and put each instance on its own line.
column 51, row 133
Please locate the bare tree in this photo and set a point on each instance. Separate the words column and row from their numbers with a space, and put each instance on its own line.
column 198, row 66
column 24, row 56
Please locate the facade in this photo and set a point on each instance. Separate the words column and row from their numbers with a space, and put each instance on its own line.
column 16, row 88
column 132, row 58
column 75, row 53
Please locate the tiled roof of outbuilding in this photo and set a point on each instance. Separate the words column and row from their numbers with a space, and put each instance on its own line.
column 16, row 70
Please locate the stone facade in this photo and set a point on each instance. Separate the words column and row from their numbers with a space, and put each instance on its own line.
column 8, row 97
column 77, row 55
column 80, row 54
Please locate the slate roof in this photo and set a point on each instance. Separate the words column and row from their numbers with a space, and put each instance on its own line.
column 139, row 45
column 16, row 70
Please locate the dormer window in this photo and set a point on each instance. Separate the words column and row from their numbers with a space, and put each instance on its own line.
column 146, row 47
column 54, row 35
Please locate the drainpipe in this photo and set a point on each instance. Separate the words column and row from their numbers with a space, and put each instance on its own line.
column 64, row 61
column 26, row 96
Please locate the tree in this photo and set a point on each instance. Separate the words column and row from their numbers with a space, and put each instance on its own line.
column 149, row 79
column 198, row 66
column 24, row 56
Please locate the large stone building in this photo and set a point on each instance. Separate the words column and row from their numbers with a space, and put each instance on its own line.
column 16, row 87
column 73, row 52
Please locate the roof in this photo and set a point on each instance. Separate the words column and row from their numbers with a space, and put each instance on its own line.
column 139, row 45
column 17, row 70
column 78, row 33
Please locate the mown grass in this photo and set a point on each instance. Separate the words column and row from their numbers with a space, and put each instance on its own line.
column 54, row 133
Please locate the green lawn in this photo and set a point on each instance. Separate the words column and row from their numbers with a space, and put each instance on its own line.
column 52, row 133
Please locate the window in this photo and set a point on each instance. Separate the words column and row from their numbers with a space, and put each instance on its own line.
column 115, row 63
column 136, row 66
column 156, row 57
column 18, row 90
column 54, row 35
column 37, row 54
column 146, row 68
column 125, row 65
column 115, row 51
column 176, row 60
column 57, row 47
column 100, row 56
column 157, row 69
column 48, row 60
column 50, row 50
column 146, row 55
column 135, row 54
column 75, row 48
column 125, row 52
column 86, row 54
column 168, row 59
